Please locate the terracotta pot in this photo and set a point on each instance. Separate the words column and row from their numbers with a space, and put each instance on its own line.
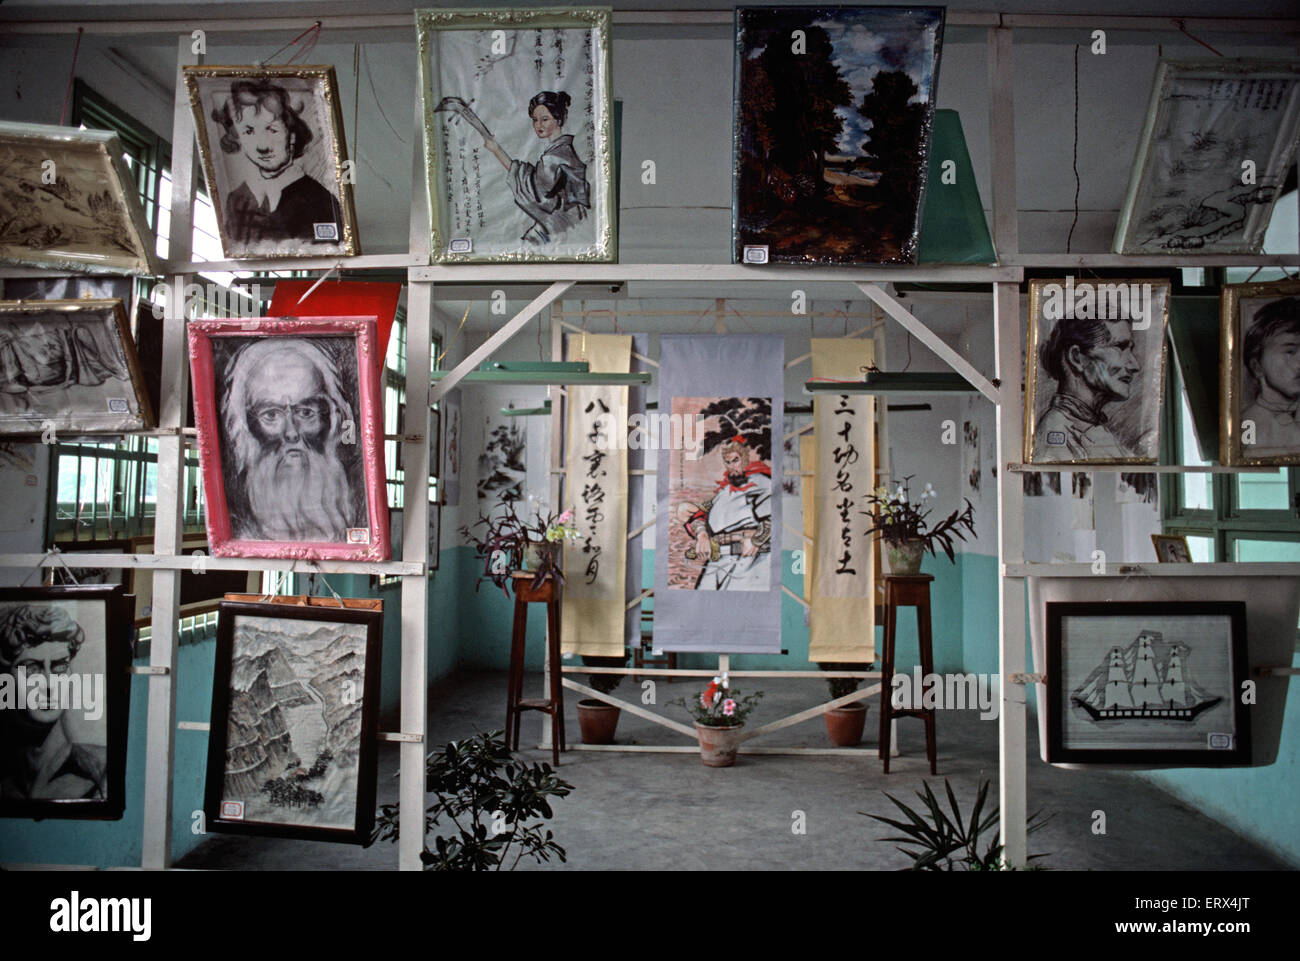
column 718, row 744
column 845, row 724
column 597, row 720
column 904, row 557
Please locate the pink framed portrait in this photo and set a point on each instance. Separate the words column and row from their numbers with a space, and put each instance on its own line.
column 290, row 432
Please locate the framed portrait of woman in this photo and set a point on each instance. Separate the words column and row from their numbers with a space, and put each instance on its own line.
column 291, row 437
column 64, row 652
column 518, row 121
column 1259, row 374
column 276, row 161
column 69, row 366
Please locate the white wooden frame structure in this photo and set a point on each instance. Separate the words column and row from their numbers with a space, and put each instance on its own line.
column 1003, row 388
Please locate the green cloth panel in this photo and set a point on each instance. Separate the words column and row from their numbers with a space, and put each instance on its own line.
column 1194, row 327
column 953, row 228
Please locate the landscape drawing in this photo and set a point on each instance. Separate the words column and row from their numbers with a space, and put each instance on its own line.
column 834, row 111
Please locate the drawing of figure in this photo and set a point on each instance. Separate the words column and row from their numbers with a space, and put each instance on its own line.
column 39, row 757
column 281, row 202
column 554, row 191
column 1094, row 364
column 285, row 418
column 54, row 355
column 733, row 528
column 1271, row 366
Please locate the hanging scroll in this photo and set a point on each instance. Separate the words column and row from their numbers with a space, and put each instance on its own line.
column 717, row 567
column 593, row 609
column 843, row 601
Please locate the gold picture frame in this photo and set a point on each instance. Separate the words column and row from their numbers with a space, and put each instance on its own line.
column 1073, row 419
column 1239, row 384
column 1171, row 548
column 249, row 224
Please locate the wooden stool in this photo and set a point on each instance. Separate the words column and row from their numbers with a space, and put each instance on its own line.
column 516, row 703
column 906, row 590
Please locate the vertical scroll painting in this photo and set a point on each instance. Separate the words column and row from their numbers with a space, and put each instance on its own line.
column 290, row 437
column 1259, row 374
column 1215, row 149
column 275, row 160
column 1148, row 681
column 64, row 695
column 718, row 566
column 518, row 134
column 68, row 200
column 70, row 366
column 1094, row 371
column 292, row 750
column 833, row 114
column 450, row 454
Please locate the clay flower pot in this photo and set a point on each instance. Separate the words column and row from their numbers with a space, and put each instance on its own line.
column 845, row 724
column 904, row 557
column 718, row 744
column 597, row 720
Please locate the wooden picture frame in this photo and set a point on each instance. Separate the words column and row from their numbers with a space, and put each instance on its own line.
column 316, row 649
column 299, row 138
column 201, row 589
column 495, row 196
column 292, row 443
column 1100, row 347
column 59, row 575
column 1185, row 192
column 1147, row 682
column 70, row 366
column 68, row 201
column 1259, row 328
column 1171, row 548
column 84, row 729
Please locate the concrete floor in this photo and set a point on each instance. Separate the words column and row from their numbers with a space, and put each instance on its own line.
column 635, row 811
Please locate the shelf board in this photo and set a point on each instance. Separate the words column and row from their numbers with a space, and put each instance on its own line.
column 886, row 382
column 185, row 562
column 546, row 377
column 1134, row 469
column 1155, row 569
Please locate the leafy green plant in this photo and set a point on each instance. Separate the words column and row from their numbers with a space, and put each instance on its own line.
column 486, row 799
column 945, row 843
column 898, row 517
column 841, row 686
column 719, row 704
column 605, row 683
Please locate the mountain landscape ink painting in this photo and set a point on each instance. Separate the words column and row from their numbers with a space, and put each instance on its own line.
column 834, row 108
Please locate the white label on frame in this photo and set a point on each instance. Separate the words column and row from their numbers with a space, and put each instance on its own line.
column 756, row 254
column 326, row 231
column 1219, row 742
column 118, row 405
column 461, row 245
column 232, row 810
column 358, row 535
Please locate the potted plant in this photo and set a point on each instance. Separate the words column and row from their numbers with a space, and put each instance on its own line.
column 599, row 720
column 844, row 724
column 510, row 544
column 900, row 521
column 719, row 714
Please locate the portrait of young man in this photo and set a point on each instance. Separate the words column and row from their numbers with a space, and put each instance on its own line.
column 1270, row 378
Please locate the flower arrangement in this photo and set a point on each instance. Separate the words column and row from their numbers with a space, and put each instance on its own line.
column 508, row 541
column 899, row 518
column 719, row 705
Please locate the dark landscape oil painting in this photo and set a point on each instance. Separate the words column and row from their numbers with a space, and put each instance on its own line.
column 834, row 108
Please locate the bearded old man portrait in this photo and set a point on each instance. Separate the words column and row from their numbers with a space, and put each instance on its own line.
column 291, row 460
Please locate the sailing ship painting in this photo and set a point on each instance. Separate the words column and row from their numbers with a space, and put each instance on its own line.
column 1134, row 682
column 1146, row 681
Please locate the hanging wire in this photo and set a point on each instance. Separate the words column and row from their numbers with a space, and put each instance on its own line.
column 314, row 29
column 454, row 337
column 1181, row 24
column 72, row 72
column 1074, row 223
column 356, row 94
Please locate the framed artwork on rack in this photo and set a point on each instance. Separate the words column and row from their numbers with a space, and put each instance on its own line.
column 291, row 437
column 1190, row 189
column 450, row 445
column 69, row 366
column 295, row 703
column 71, row 573
column 1171, row 548
column 1259, row 380
column 201, row 587
column 834, row 109
column 1094, row 371
column 275, row 159
column 64, row 652
column 518, row 134
column 68, row 201
column 1147, row 682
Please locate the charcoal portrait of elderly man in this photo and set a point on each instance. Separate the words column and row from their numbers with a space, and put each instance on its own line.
column 291, row 460
column 1092, row 373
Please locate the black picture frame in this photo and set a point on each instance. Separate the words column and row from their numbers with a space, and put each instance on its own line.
column 1065, row 708
column 116, row 662
column 367, row 743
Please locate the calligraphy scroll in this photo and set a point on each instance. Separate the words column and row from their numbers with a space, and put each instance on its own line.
column 843, row 566
column 718, row 534
column 593, row 608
